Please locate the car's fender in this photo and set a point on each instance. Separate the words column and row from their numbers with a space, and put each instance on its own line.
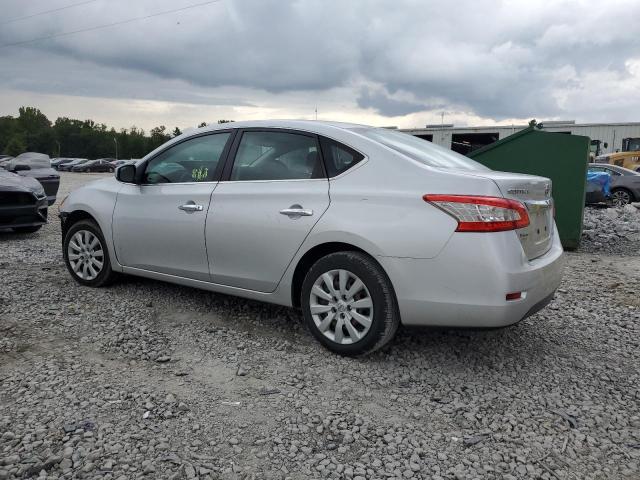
column 97, row 199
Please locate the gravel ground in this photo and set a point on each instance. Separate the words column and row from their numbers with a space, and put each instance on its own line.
column 151, row 380
column 612, row 230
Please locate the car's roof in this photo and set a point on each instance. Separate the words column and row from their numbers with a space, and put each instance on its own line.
column 615, row 168
column 309, row 125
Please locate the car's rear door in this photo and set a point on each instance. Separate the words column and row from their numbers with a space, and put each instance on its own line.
column 159, row 225
column 271, row 195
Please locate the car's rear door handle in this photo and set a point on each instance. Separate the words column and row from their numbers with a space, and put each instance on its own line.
column 191, row 207
column 296, row 211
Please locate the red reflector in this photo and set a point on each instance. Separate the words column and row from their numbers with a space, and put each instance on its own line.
column 514, row 296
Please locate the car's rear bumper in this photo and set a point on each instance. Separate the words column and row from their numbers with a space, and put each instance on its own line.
column 595, row 196
column 467, row 283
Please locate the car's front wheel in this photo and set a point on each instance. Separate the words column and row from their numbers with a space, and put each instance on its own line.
column 86, row 255
column 348, row 303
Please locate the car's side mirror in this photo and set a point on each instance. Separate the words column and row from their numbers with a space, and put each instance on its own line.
column 126, row 174
column 21, row 168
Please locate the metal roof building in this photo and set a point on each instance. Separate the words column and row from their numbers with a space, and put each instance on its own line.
column 468, row 139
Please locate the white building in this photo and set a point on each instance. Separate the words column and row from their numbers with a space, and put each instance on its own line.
column 467, row 139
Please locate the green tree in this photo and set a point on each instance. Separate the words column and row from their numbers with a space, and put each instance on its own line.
column 158, row 137
column 8, row 128
column 203, row 124
column 32, row 120
column 31, row 130
column 15, row 146
column 36, row 128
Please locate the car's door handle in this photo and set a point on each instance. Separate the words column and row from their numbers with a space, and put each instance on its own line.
column 296, row 211
column 191, row 207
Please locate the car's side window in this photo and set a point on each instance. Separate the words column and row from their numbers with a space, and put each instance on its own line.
column 194, row 160
column 276, row 156
column 338, row 158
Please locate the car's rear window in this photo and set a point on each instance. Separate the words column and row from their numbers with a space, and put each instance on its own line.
column 420, row 150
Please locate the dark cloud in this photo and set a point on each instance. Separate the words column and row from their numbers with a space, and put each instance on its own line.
column 388, row 106
column 486, row 57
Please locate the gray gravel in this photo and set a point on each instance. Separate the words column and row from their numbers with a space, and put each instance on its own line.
column 150, row 380
column 612, row 230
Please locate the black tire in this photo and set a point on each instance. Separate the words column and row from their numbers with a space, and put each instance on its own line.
column 106, row 275
column 386, row 317
column 33, row 229
column 623, row 194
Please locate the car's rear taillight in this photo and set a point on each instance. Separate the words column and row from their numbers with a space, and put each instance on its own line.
column 482, row 214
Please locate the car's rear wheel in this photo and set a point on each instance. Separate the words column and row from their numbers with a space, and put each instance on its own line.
column 86, row 255
column 621, row 197
column 32, row 229
column 348, row 303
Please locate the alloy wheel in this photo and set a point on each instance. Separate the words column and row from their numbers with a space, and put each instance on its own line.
column 621, row 198
column 85, row 254
column 341, row 306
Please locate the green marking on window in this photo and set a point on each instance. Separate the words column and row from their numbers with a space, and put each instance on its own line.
column 200, row 174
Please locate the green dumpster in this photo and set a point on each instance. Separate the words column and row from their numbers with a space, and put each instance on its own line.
column 562, row 158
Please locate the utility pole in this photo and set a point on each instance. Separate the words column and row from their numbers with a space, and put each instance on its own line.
column 316, row 112
column 115, row 140
column 58, row 148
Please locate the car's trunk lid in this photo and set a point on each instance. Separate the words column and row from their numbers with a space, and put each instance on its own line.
column 535, row 193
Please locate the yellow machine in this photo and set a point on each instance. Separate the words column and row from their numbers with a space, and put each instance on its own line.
column 629, row 157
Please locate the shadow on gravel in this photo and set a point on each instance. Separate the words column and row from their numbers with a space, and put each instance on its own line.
column 10, row 235
column 519, row 344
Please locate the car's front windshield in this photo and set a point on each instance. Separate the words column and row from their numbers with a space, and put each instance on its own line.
column 421, row 150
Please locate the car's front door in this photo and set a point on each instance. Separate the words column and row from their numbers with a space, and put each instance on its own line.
column 270, row 198
column 158, row 225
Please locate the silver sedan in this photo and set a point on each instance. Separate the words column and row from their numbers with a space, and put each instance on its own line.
column 362, row 228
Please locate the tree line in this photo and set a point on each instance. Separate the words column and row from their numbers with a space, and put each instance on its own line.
column 32, row 131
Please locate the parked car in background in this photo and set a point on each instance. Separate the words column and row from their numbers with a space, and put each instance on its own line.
column 362, row 228
column 101, row 165
column 4, row 161
column 118, row 163
column 55, row 163
column 625, row 183
column 38, row 166
column 66, row 167
column 23, row 203
column 597, row 188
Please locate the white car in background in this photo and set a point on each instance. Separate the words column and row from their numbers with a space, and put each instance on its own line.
column 362, row 228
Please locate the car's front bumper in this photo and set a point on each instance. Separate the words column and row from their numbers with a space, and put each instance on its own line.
column 467, row 283
column 15, row 215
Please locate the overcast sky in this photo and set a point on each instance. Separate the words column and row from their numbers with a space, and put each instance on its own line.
column 393, row 62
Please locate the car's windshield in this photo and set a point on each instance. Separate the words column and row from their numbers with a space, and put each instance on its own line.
column 421, row 150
